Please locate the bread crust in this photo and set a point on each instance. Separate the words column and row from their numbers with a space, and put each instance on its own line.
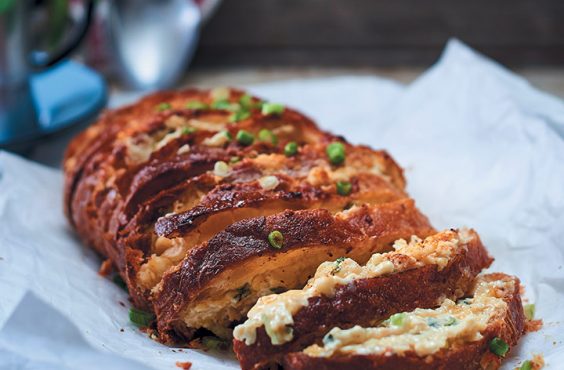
column 370, row 229
column 509, row 326
column 367, row 301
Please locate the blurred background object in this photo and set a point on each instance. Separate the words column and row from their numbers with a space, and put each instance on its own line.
column 143, row 45
column 28, row 110
column 379, row 32
column 146, row 44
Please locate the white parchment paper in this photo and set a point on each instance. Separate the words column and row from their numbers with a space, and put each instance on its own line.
column 481, row 148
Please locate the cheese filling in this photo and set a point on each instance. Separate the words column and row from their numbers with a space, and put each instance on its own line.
column 275, row 312
column 423, row 331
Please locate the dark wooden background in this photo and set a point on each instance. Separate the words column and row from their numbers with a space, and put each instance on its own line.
column 380, row 32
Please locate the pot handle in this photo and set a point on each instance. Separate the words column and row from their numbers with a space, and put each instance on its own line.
column 41, row 59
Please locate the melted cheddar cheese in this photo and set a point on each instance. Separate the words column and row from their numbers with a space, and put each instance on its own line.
column 276, row 311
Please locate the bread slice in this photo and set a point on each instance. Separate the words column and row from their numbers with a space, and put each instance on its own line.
column 218, row 282
column 191, row 214
column 418, row 274
column 468, row 334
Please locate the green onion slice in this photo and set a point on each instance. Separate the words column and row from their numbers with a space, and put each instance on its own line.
column 336, row 152
column 163, row 106
column 188, row 130
column 239, row 115
column 398, row 319
column 526, row 365
column 276, row 239
column 291, row 149
column 268, row 136
column 272, row 108
column 344, row 188
column 529, row 310
column 245, row 137
column 246, row 101
column 196, row 105
column 499, row 347
column 140, row 318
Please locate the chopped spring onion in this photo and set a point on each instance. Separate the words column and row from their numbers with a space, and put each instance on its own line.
column 196, row 105
column 291, row 149
column 398, row 319
column 344, row 188
column 239, row 115
column 140, row 318
column 268, row 136
column 225, row 105
column 336, row 152
column 221, row 169
column 529, row 310
column 272, row 108
column 188, row 130
column 246, row 101
column 499, row 347
column 163, row 106
column 245, row 137
column 276, row 239
column 526, row 365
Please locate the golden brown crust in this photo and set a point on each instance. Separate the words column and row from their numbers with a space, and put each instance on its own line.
column 367, row 230
column 366, row 301
column 103, row 190
column 470, row 356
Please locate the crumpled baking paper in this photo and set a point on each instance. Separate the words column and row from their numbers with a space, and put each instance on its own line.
column 481, row 148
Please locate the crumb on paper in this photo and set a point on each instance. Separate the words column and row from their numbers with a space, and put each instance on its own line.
column 184, row 365
column 121, row 330
column 533, row 325
column 106, row 268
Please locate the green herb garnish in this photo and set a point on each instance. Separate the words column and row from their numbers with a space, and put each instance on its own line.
column 188, row 130
column 225, row 105
column 276, row 239
column 196, row 105
column 272, row 108
column 163, row 106
column 291, row 149
column 245, row 137
column 529, row 310
column 239, row 115
column 337, row 267
column 398, row 319
column 499, row 347
column 268, row 136
column 235, row 159
column 344, row 188
column 336, row 152
column 526, row 365
column 140, row 318
column 246, row 101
